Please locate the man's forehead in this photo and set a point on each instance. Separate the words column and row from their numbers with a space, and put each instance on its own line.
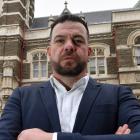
column 69, row 26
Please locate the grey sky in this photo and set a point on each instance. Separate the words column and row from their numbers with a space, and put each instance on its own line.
column 55, row 7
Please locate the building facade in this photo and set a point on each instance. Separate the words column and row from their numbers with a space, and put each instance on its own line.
column 114, row 39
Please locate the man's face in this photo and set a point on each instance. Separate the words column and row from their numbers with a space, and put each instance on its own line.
column 68, row 49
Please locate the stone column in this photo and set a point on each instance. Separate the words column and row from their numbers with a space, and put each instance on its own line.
column 7, row 81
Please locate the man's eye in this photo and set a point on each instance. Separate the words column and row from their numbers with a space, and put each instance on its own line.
column 78, row 41
column 59, row 41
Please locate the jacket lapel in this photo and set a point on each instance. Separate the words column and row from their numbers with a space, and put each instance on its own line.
column 48, row 97
column 87, row 102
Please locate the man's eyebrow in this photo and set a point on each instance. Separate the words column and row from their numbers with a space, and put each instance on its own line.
column 73, row 36
column 57, row 36
column 79, row 36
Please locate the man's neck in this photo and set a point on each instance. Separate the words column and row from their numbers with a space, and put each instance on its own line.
column 68, row 81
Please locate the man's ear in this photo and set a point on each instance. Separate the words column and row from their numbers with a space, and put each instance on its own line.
column 49, row 47
column 89, row 51
column 49, row 50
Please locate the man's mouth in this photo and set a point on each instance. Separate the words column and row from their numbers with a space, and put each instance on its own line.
column 68, row 58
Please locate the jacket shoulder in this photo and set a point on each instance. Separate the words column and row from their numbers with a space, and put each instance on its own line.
column 31, row 89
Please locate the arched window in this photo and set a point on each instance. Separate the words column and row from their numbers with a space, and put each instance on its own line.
column 136, row 51
column 39, row 65
column 97, row 62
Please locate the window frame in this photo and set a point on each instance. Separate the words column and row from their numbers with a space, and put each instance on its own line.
column 39, row 65
column 106, row 49
column 134, row 56
column 30, row 60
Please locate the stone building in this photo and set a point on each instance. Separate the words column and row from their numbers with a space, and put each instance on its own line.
column 114, row 39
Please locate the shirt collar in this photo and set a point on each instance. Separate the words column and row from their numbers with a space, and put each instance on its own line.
column 80, row 83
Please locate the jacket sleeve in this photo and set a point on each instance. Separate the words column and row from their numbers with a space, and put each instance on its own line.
column 10, row 121
column 129, row 109
column 128, row 112
column 77, row 136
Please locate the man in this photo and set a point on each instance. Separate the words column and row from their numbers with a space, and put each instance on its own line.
column 71, row 105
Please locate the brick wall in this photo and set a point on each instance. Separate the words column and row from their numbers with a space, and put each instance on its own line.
column 112, row 65
column 125, row 58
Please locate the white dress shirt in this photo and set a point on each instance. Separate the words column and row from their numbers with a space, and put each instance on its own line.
column 68, row 102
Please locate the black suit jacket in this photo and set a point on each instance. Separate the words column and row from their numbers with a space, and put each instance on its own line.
column 102, row 110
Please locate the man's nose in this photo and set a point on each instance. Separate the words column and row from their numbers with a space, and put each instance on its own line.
column 69, row 46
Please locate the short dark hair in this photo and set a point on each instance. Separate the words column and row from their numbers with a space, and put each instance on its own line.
column 69, row 17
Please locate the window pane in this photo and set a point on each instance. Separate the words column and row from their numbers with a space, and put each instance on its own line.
column 138, row 60
column 137, row 51
column 100, row 51
column 100, row 64
column 35, row 66
column 101, row 70
column 43, row 56
column 100, row 61
column 92, row 66
column 137, row 40
column 35, row 70
column 35, row 57
column 43, row 69
column 39, row 64
column 35, row 73
column 43, row 73
column 93, row 53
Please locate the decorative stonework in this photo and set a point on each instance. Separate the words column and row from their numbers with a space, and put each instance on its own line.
column 37, row 34
column 7, row 81
column 27, row 12
column 127, row 78
column 10, row 30
column 7, row 74
column 10, row 58
column 132, row 36
column 1, row 5
column 101, row 45
column 125, row 16
column 137, row 77
column 20, row 10
column 100, row 28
